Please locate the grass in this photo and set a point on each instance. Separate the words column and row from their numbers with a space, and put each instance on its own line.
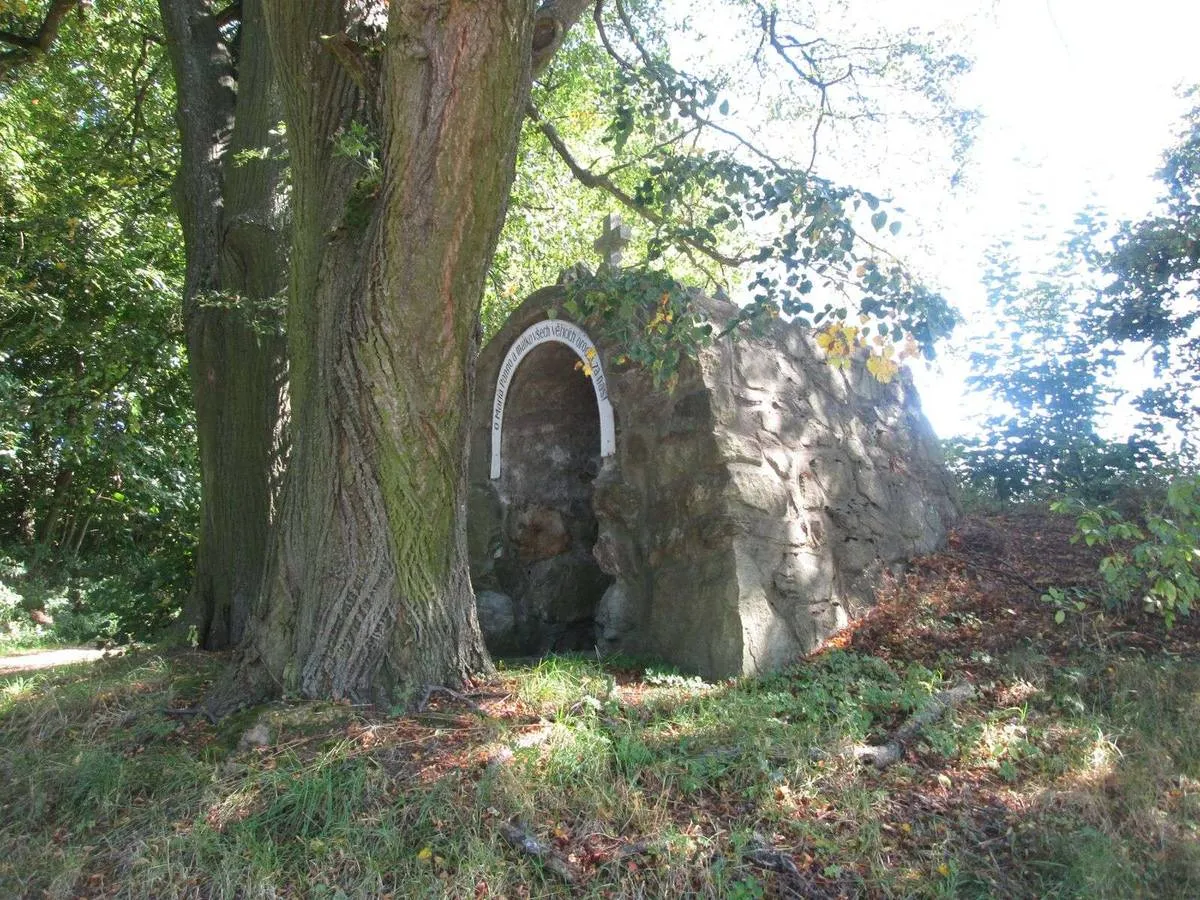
column 1075, row 772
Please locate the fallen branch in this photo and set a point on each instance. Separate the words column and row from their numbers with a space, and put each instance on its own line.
column 758, row 853
column 884, row 755
column 520, row 838
column 628, row 851
column 1003, row 573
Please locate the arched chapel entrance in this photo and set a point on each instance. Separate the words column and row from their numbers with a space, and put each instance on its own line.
column 551, row 425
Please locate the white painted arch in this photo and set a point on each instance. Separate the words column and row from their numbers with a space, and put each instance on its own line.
column 577, row 339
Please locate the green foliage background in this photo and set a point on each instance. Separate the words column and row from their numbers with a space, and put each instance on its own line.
column 97, row 450
column 1048, row 373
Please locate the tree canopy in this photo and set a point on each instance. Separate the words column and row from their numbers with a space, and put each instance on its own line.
column 1151, row 302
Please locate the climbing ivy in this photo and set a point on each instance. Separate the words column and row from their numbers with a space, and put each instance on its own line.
column 652, row 317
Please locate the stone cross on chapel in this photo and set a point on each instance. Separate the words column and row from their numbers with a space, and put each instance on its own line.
column 612, row 241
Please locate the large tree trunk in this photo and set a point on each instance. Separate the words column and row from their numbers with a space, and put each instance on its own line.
column 230, row 193
column 368, row 595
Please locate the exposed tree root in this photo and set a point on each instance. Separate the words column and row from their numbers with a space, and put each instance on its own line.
column 246, row 682
column 431, row 689
column 187, row 711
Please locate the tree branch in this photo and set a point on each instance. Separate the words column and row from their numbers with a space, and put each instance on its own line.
column 688, row 110
column 30, row 47
column 591, row 179
column 598, row 17
column 768, row 21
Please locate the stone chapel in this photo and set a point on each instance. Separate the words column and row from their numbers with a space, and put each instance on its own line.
column 726, row 527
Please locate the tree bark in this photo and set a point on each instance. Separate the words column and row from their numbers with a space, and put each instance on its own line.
column 233, row 215
column 368, row 595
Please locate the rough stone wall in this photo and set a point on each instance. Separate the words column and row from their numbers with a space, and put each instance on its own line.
column 833, row 477
column 665, row 534
column 743, row 518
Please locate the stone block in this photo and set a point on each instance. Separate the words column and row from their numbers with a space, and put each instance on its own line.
column 757, row 370
column 539, row 532
column 834, row 475
column 497, row 621
column 739, row 447
column 617, row 619
column 485, row 537
column 562, row 590
column 759, row 488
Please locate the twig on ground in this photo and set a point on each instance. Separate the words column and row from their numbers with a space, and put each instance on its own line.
column 792, row 882
column 488, row 695
column 1003, row 573
column 629, row 850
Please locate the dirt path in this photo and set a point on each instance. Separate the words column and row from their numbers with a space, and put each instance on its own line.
column 46, row 659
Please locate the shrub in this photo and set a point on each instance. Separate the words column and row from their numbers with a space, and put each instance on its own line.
column 135, row 604
column 1153, row 561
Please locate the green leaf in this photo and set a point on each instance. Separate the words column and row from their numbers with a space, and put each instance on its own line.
column 879, row 220
column 1060, row 617
column 1165, row 589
